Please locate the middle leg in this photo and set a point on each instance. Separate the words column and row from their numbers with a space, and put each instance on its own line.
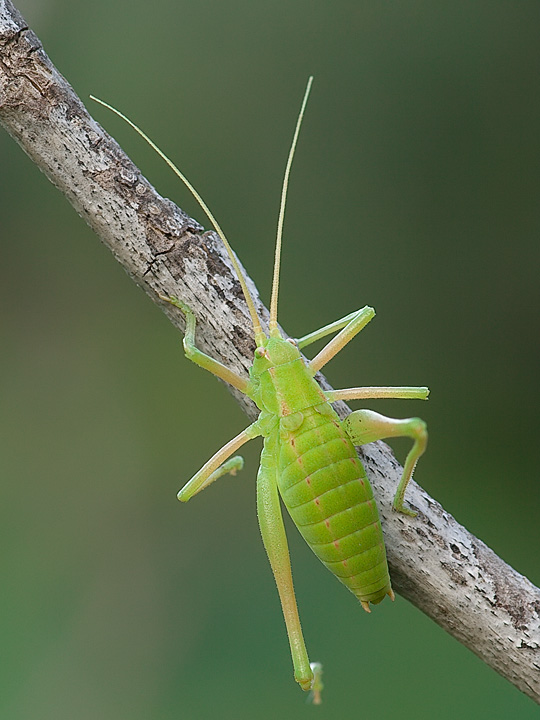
column 219, row 464
column 378, row 393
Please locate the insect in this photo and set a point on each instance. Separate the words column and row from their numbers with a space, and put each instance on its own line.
column 308, row 457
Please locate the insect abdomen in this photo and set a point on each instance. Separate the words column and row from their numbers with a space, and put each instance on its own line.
column 329, row 498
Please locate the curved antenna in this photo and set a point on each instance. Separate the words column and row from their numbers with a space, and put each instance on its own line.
column 257, row 329
column 277, row 258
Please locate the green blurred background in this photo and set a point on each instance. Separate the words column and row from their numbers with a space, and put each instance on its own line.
column 415, row 189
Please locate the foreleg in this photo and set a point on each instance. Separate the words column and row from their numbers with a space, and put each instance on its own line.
column 326, row 330
column 351, row 324
column 197, row 356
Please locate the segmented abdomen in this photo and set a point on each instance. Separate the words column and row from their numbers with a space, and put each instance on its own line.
column 328, row 495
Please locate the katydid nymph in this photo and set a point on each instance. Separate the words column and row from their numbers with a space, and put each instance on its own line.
column 308, row 457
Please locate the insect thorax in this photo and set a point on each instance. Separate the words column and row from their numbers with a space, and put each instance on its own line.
column 282, row 382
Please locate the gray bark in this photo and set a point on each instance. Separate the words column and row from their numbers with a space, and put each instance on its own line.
column 434, row 562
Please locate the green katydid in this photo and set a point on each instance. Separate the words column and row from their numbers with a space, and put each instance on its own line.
column 308, row 457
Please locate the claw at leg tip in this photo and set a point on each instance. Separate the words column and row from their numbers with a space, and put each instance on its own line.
column 365, row 605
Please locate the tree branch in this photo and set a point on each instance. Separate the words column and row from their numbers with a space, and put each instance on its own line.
column 435, row 562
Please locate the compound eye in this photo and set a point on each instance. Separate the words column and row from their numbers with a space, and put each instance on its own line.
column 262, row 352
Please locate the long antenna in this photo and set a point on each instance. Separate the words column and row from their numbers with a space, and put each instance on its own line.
column 277, row 258
column 257, row 329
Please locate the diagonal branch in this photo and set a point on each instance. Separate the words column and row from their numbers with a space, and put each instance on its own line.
column 435, row 562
